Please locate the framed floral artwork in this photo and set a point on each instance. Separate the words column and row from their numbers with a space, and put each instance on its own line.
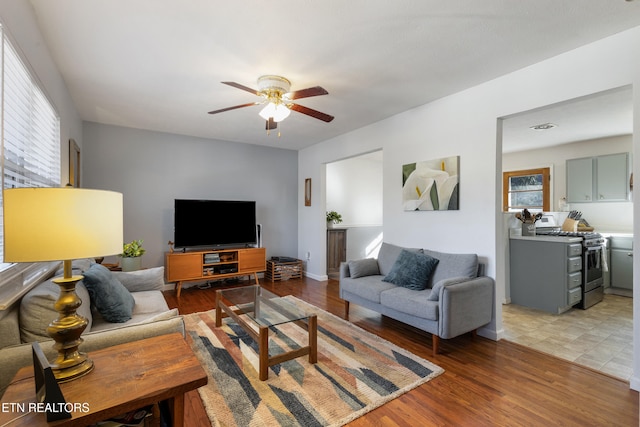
column 431, row 185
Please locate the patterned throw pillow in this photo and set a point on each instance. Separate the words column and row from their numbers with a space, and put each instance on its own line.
column 411, row 270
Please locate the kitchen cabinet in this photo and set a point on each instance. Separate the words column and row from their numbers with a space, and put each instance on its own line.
column 621, row 262
column 598, row 179
column 580, row 180
column 612, row 177
column 545, row 274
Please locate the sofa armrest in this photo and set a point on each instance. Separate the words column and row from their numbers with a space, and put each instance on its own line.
column 344, row 270
column 465, row 306
column 15, row 357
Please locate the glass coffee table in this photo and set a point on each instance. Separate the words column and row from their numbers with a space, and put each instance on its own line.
column 256, row 310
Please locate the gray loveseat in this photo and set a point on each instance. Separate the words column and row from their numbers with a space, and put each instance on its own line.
column 27, row 319
column 453, row 300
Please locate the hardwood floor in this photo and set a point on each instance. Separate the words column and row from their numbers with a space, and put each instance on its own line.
column 485, row 383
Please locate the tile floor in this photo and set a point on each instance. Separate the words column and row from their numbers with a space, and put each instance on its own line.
column 600, row 337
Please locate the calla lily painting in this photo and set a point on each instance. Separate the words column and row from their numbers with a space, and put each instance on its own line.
column 431, row 185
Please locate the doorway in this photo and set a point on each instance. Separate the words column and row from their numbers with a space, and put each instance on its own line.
column 596, row 125
column 354, row 190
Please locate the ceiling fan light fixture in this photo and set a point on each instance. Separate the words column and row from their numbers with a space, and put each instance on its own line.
column 278, row 112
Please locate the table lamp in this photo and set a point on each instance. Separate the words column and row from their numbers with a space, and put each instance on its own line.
column 62, row 224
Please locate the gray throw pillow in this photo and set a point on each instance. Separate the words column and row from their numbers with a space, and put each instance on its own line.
column 112, row 300
column 150, row 279
column 388, row 255
column 37, row 310
column 363, row 267
column 411, row 270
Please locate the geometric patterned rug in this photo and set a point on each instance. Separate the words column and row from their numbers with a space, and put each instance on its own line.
column 356, row 372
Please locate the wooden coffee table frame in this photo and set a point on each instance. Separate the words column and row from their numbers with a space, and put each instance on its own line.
column 261, row 335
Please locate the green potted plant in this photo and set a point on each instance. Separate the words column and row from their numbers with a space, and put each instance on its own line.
column 333, row 218
column 131, row 255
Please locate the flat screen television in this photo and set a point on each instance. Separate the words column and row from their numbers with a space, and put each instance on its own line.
column 214, row 223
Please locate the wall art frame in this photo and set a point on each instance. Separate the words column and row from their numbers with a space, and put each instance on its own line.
column 431, row 185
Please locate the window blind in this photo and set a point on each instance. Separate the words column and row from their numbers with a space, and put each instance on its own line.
column 30, row 129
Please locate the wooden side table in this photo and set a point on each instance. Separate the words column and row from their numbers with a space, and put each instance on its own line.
column 125, row 377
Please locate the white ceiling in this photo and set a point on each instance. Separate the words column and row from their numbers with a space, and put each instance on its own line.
column 599, row 115
column 158, row 64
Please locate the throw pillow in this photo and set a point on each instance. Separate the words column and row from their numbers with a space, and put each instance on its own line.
column 150, row 279
column 388, row 255
column 411, row 270
column 37, row 310
column 363, row 267
column 112, row 300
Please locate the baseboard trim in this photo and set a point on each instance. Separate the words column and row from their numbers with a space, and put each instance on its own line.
column 321, row 278
column 491, row 334
column 634, row 383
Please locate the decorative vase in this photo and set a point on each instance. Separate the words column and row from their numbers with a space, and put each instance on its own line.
column 131, row 263
column 330, row 224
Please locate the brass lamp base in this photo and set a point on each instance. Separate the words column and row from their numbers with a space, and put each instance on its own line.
column 66, row 330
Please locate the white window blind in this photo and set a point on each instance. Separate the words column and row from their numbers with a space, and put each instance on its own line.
column 30, row 129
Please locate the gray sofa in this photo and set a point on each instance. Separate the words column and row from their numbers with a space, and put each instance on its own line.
column 454, row 299
column 27, row 319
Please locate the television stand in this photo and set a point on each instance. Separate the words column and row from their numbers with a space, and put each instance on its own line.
column 181, row 267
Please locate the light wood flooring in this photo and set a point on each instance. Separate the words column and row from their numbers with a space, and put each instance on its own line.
column 485, row 383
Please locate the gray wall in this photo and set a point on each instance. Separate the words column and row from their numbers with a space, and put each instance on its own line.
column 152, row 169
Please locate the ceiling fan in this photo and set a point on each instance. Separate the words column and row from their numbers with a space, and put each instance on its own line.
column 275, row 93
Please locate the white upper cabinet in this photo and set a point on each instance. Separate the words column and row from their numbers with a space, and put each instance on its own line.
column 598, row 179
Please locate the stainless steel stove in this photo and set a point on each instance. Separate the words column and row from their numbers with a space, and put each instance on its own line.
column 592, row 253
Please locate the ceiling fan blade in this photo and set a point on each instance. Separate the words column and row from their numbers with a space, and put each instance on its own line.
column 306, row 93
column 242, row 87
column 310, row 112
column 233, row 108
column 270, row 124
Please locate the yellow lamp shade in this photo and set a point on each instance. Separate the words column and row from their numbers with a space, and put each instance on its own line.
column 53, row 224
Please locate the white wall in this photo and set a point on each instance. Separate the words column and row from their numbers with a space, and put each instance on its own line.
column 354, row 189
column 466, row 124
column 152, row 169
column 604, row 216
column 19, row 20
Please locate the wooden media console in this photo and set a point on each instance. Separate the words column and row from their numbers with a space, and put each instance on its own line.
column 191, row 266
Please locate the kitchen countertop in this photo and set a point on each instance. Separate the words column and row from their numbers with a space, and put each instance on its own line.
column 556, row 239
column 615, row 234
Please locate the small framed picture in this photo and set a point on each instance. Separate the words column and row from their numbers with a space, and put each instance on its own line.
column 307, row 192
column 74, row 164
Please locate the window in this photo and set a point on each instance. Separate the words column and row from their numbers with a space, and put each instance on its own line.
column 526, row 189
column 30, row 130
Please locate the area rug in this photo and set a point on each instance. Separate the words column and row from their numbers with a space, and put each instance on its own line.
column 356, row 373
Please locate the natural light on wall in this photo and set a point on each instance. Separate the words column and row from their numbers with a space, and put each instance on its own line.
column 373, row 248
